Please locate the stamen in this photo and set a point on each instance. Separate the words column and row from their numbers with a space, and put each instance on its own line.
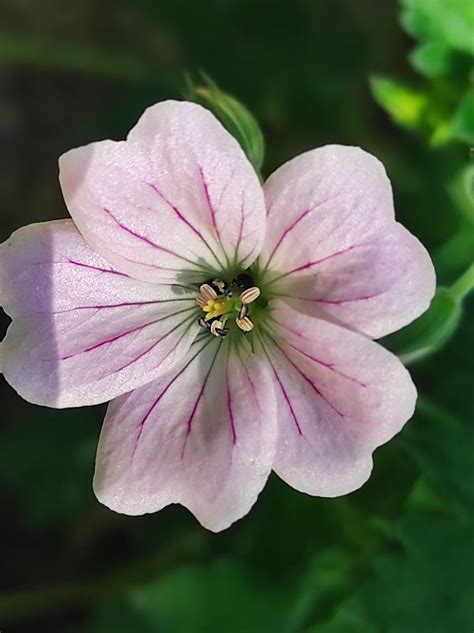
column 219, row 284
column 249, row 295
column 218, row 329
column 201, row 301
column 207, row 292
column 218, row 306
column 244, row 310
column 244, row 324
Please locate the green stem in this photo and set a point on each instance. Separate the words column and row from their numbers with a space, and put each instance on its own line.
column 463, row 285
column 24, row 605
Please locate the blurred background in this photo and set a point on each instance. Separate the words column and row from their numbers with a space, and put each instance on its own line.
column 394, row 557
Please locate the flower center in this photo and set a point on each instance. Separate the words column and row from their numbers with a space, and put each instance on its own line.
column 223, row 304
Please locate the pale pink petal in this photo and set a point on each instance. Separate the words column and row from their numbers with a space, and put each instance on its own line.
column 340, row 395
column 333, row 247
column 203, row 436
column 179, row 196
column 83, row 332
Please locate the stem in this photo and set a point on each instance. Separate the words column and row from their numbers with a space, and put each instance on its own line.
column 463, row 285
column 24, row 605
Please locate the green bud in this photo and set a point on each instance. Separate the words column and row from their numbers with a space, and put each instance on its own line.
column 434, row 328
column 238, row 120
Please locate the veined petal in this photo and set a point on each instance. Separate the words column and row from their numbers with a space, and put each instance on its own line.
column 202, row 436
column 333, row 247
column 339, row 396
column 83, row 332
column 178, row 198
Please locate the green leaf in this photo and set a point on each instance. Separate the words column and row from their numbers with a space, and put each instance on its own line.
column 434, row 328
column 461, row 191
column 224, row 596
column 432, row 59
column 53, row 478
column 233, row 115
column 430, row 332
column 405, row 105
column 450, row 22
column 463, row 122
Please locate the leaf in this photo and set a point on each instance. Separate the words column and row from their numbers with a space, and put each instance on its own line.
column 461, row 191
column 53, row 477
column 430, row 332
column 405, row 105
column 224, row 596
column 463, row 122
column 432, row 59
column 450, row 22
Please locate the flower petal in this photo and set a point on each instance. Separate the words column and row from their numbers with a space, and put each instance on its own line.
column 202, row 436
column 83, row 332
column 340, row 395
column 178, row 196
column 333, row 247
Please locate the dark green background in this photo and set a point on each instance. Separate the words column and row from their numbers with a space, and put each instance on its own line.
column 394, row 557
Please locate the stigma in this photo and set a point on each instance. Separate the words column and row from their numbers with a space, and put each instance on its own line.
column 221, row 306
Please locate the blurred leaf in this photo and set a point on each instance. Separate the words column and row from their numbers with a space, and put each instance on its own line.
column 461, row 190
column 233, row 115
column 434, row 328
column 450, row 22
column 53, row 478
column 428, row 333
column 456, row 253
column 405, row 105
column 442, row 446
column 463, row 122
column 432, row 59
column 223, row 596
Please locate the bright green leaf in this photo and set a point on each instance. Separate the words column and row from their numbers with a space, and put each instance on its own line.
column 450, row 22
column 432, row 59
column 405, row 105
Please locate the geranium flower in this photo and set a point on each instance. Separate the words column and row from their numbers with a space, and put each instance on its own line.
column 230, row 323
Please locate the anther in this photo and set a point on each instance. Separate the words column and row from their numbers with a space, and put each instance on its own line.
column 244, row 310
column 219, row 284
column 250, row 294
column 218, row 329
column 244, row 324
column 207, row 292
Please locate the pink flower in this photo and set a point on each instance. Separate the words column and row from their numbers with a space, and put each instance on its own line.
column 231, row 324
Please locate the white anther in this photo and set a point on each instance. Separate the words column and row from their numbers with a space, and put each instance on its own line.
column 219, row 284
column 244, row 324
column 218, row 329
column 207, row 292
column 249, row 295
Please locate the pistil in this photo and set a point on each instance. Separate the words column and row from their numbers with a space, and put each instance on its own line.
column 215, row 299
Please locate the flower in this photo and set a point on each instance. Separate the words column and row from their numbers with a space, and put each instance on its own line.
column 229, row 323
